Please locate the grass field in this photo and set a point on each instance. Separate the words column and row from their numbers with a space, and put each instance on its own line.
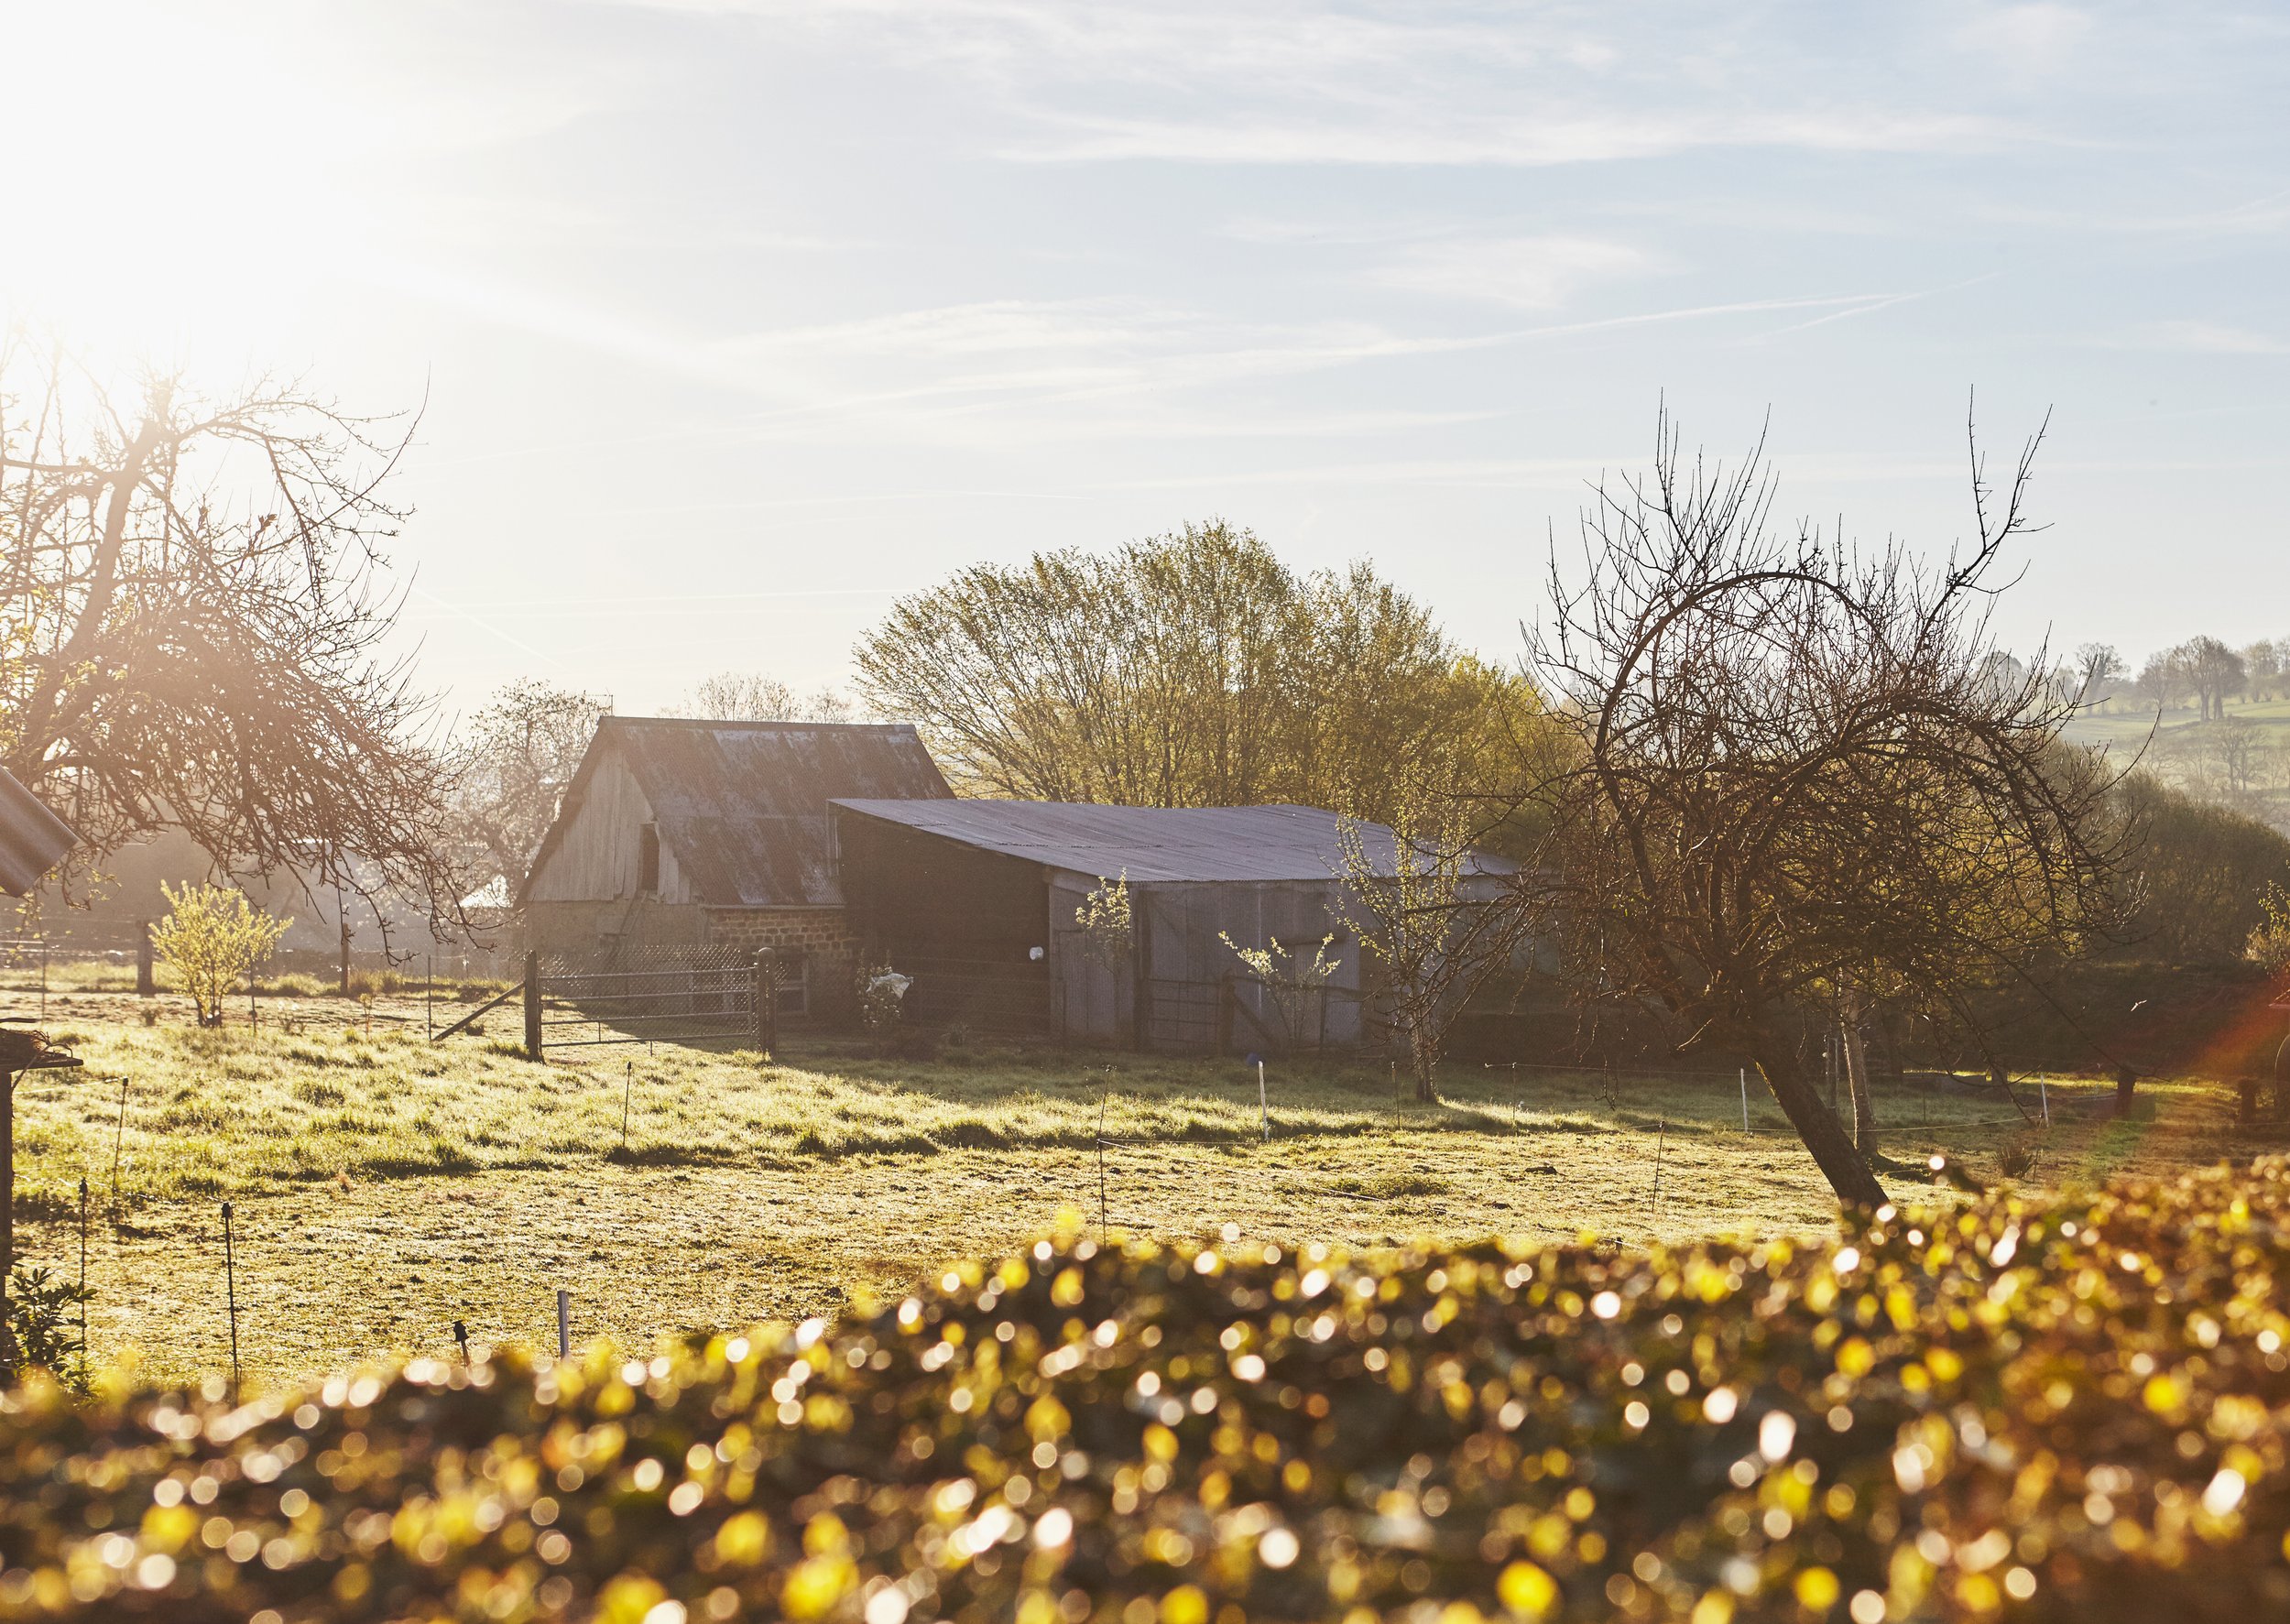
column 2130, row 727
column 384, row 1187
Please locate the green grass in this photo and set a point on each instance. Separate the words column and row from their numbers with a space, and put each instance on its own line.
column 384, row 1186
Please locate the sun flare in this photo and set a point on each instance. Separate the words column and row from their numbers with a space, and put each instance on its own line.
column 183, row 181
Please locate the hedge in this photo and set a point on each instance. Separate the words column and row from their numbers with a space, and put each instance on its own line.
column 2065, row 1409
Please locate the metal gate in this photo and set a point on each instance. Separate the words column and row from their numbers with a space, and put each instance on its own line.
column 655, row 994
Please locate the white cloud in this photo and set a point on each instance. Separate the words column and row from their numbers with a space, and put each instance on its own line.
column 1538, row 273
column 2209, row 338
column 1302, row 82
column 2037, row 37
column 1435, row 134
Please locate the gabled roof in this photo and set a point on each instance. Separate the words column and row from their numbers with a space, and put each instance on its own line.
column 1151, row 844
column 743, row 805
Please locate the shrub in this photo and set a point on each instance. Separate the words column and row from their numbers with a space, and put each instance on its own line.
column 2075, row 1409
column 2015, row 1158
column 2269, row 945
column 882, row 993
column 1106, row 920
column 213, row 937
column 46, row 1337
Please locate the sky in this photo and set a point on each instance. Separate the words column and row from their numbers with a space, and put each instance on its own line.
column 729, row 321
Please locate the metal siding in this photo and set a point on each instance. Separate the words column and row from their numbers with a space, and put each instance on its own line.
column 32, row 839
column 1150, row 845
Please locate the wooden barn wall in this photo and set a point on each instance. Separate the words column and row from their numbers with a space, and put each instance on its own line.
column 596, row 859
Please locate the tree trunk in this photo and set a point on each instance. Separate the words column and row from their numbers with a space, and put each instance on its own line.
column 1817, row 1125
column 1423, row 1057
column 1864, row 1100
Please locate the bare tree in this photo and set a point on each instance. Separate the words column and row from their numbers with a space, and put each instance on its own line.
column 514, row 758
column 2163, row 679
column 192, row 608
column 2214, row 673
column 1792, row 770
column 1427, row 909
column 750, row 696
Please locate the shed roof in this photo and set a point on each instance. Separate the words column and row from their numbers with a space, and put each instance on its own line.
column 32, row 839
column 743, row 805
column 1151, row 844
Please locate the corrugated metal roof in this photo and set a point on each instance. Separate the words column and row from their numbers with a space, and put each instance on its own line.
column 1151, row 844
column 743, row 805
column 32, row 839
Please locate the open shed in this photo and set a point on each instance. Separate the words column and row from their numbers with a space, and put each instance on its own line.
column 976, row 900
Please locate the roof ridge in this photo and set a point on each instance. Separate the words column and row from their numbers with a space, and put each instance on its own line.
column 617, row 721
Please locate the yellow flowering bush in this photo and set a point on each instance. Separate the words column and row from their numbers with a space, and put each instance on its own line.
column 2056, row 1409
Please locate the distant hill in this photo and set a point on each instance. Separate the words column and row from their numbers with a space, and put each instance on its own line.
column 2243, row 762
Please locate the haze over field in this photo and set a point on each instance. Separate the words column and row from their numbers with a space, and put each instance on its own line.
column 736, row 319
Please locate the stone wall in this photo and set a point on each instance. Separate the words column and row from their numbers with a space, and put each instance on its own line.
column 822, row 935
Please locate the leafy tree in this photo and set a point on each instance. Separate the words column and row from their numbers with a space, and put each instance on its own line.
column 1791, row 769
column 194, row 608
column 2266, row 663
column 1189, row 670
column 213, row 937
column 2194, row 873
column 2098, row 666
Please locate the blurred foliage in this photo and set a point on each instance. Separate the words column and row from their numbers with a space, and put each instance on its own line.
column 2070, row 1410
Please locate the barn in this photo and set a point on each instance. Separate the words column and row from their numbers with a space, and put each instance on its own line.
column 976, row 901
column 691, row 834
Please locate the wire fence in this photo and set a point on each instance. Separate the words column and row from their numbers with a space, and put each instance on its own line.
column 658, row 994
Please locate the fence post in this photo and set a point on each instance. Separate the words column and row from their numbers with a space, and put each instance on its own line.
column 532, row 1006
column 764, row 1014
column 565, row 1324
column 8, row 1221
column 1745, row 1099
column 230, row 1278
column 147, row 983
